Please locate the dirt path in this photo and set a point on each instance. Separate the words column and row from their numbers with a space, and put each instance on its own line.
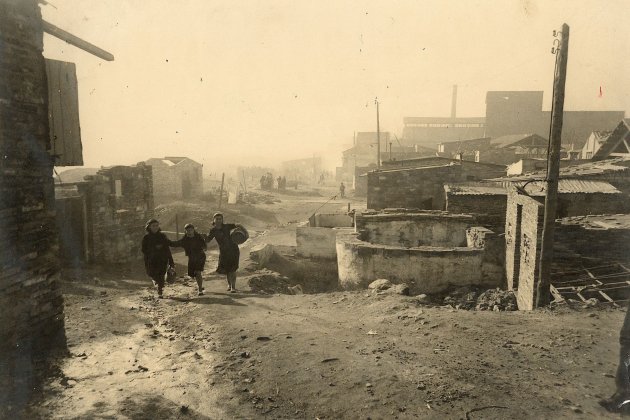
column 339, row 355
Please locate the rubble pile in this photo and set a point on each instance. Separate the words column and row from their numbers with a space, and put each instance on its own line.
column 470, row 298
column 270, row 282
column 496, row 300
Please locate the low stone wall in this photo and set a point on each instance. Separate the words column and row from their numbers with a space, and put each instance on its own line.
column 331, row 220
column 431, row 228
column 426, row 269
column 317, row 242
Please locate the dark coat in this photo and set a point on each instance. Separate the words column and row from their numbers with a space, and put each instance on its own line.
column 195, row 248
column 229, row 253
column 157, row 254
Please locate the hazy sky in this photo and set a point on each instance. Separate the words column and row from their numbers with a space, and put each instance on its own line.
column 257, row 82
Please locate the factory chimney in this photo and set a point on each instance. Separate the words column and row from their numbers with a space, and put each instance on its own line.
column 454, row 102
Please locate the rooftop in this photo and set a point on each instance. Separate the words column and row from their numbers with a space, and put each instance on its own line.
column 605, row 221
column 577, row 171
column 565, row 186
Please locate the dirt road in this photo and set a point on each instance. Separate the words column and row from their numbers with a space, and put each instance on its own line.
column 338, row 355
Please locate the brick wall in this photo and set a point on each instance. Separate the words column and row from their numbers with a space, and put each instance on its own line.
column 31, row 304
column 523, row 230
column 169, row 181
column 422, row 188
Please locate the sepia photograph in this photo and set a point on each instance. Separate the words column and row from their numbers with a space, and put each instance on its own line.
column 296, row 209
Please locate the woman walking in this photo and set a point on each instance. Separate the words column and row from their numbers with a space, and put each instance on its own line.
column 157, row 254
column 229, row 253
column 194, row 245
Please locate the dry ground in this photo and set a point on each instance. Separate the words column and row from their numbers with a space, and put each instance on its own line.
column 339, row 355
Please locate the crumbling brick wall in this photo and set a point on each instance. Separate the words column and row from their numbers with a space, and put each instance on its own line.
column 523, row 232
column 31, row 304
column 119, row 202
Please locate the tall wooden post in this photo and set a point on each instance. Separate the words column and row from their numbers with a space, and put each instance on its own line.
column 221, row 191
column 553, row 171
column 176, row 226
column 378, row 138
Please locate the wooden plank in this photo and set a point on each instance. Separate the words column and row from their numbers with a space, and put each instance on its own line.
column 63, row 113
column 53, row 30
column 556, row 294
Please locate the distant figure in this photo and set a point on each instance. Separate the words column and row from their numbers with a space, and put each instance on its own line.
column 194, row 245
column 284, row 182
column 157, row 254
column 279, row 180
column 620, row 400
column 342, row 190
column 263, row 181
column 229, row 253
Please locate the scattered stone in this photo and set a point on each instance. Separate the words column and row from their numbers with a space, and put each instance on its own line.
column 368, row 385
column 330, row 359
column 296, row 290
column 263, row 338
column 245, row 355
column 423, row 299
column 380, row 284
column 372, row 332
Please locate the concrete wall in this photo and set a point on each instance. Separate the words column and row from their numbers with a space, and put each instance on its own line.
column 425, row 269
column 488, row 210
column 415, row 229
column 317, row 242
column 31, row 305
column 331, row 220
column 493, row 244
column 523, row 230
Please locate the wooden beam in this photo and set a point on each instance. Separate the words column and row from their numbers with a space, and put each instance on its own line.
column 51, row 29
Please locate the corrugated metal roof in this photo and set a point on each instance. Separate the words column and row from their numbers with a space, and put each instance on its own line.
column 575, row 171
column 537, row 188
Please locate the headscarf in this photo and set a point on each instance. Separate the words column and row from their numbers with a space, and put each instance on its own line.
column 146, row 227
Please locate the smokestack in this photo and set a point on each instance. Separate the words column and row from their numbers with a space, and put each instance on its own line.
column 454, row 102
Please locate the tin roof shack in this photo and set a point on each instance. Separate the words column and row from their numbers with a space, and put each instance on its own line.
column 488, row 200
column 422, row 187
column 591, row 254
column 429, row 251
column 102, row 219
column 615, row 171
column 176, row 178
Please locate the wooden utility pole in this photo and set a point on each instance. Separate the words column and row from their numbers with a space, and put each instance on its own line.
column 553, row 170
column 378, row 138
column 221, row 191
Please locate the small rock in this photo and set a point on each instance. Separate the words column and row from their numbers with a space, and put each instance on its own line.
column 263, row 338
column 380, row 284
column 368, row 385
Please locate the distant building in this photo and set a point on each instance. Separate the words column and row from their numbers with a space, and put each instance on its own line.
column 305, row 170
column 512, row 148
column 617, row 144
column 176, row 178
column 364, row 151
column 508, row 113
column 593, row 143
